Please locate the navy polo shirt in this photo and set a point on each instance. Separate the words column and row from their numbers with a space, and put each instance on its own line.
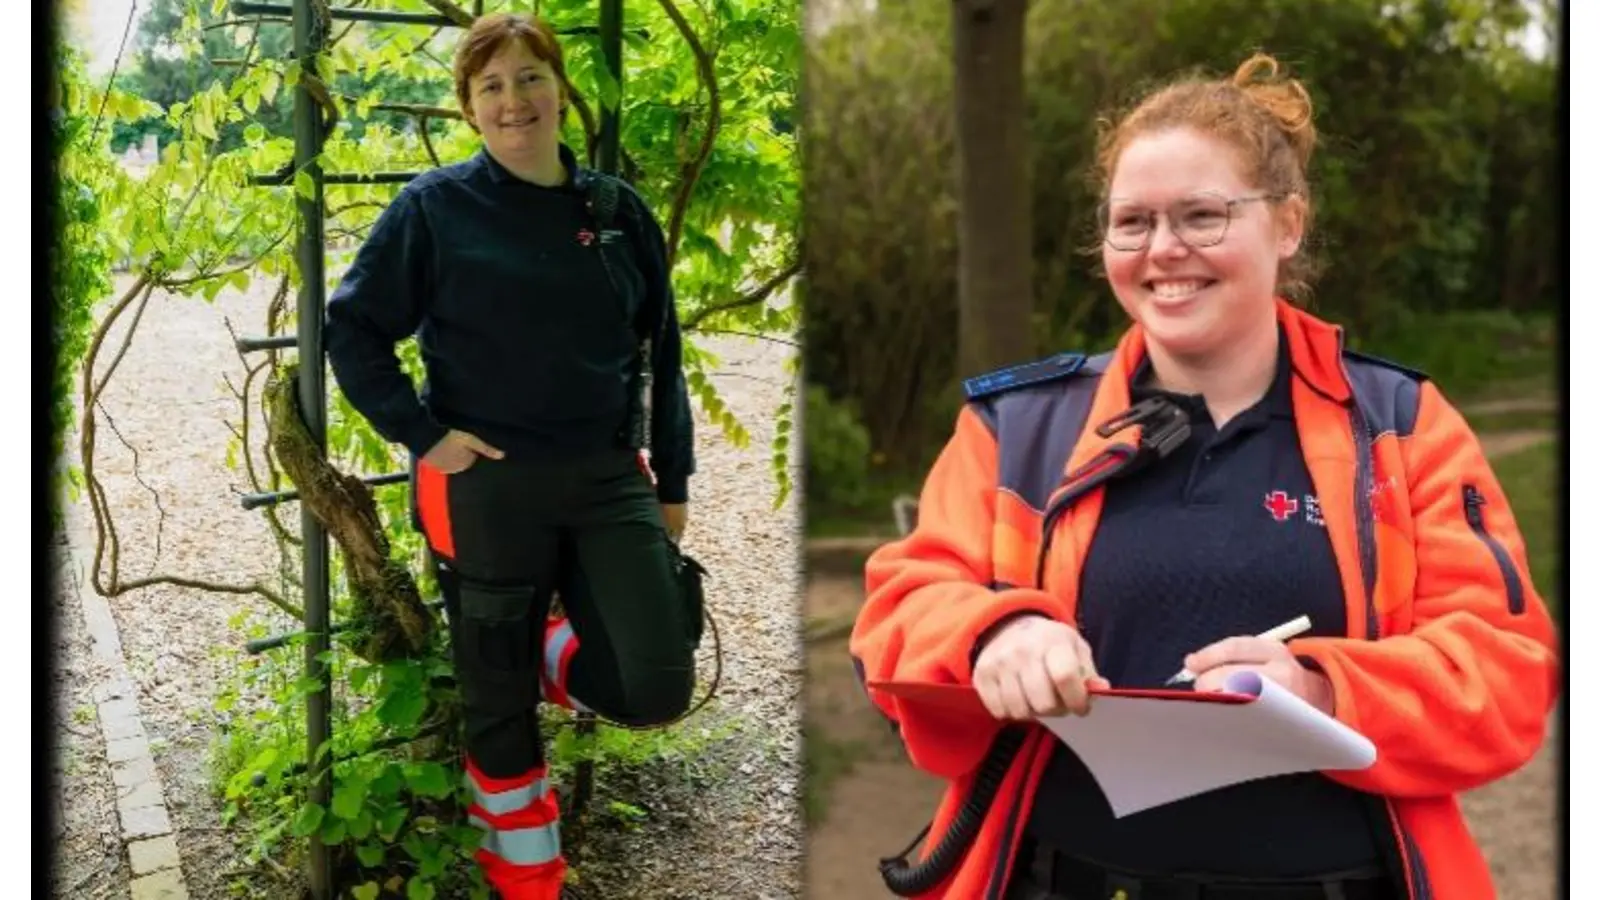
column 528, row 341
column 1222, row 538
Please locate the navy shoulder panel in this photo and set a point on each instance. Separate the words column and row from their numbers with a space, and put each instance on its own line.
column 1043, row 371
column 1413, row 374
column 1037, row 429
column 1387, row 393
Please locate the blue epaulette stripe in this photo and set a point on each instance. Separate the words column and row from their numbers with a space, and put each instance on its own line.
column 1059, row 366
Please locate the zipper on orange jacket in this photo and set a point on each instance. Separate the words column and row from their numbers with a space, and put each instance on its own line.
column 1366, row 539
column 1417, row 886
column 1473, row 502
column 1367, row 556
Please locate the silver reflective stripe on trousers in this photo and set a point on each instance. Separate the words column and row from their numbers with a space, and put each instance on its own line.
column 521, row 846
column 510, row 800
column 553, row 648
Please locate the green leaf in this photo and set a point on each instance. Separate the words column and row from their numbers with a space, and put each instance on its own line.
column 361, row 825
column 418, row 889
column 263, row 760
column 402, row 709
column 429, row 779
column 333, row 831
column 434, row 865
column 390, row 822
column 388, row 782
column 204, row 123
column 304, row 186
column 468, row 838
column 369, row 890
column 307, row 820
column 370, row 854
column 348, row 799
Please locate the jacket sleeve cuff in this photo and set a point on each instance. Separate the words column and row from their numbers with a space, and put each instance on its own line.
column 672, row 487
column 982, row 640
column 420, row 437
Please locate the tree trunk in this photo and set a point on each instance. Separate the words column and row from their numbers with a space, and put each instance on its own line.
column 995, row 231
column 389, row 620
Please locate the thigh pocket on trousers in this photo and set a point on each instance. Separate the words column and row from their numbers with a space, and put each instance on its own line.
column 496, row 649
column 690, row 577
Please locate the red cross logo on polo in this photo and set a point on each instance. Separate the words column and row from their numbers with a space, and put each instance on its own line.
column 585, row 237
column 1281, row 505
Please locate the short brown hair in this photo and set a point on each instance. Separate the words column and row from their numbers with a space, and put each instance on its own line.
column 492, row 32
column 1267, row 119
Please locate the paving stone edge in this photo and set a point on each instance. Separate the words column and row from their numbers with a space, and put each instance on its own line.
column 146, row 824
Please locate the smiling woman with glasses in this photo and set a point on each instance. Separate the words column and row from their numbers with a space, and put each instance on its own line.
column 1278, row 476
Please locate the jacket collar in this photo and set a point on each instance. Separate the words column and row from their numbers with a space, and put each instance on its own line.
column 1315, row 354
column 1315, row 347
column 1278, row 401
column 578, row 176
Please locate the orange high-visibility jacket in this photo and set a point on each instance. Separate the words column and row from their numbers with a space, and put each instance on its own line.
column 1449, row 666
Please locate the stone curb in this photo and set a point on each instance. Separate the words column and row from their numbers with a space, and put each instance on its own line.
column 141, row 802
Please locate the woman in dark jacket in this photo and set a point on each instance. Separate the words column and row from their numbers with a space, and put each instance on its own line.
column 553, row 441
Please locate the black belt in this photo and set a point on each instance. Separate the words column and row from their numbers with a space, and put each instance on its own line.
column 1052, row 875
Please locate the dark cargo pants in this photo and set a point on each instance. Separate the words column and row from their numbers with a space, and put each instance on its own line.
column 505, row 535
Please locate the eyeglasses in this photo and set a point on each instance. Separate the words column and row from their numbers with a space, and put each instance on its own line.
column 1199, row 221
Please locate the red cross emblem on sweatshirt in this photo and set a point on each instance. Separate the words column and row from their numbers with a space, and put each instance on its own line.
column 1281, row 505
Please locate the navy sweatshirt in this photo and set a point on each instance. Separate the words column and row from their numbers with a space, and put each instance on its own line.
column 525, row 339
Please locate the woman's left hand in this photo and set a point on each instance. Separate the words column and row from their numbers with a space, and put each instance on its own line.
column 1271, row 659
column 677, row 519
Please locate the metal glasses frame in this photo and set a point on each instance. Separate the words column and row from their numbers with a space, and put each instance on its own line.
column 1103, row 214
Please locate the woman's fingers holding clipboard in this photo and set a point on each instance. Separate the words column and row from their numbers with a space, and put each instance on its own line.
column 1035, row 667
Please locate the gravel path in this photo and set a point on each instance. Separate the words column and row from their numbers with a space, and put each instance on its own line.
column 732, row 830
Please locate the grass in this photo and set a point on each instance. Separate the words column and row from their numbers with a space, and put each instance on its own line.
column 1541, row 385
column 1514, row 420
column 1529, row 479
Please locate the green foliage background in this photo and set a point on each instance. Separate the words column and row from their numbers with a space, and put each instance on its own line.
column 80, row 258
column 1433, row 185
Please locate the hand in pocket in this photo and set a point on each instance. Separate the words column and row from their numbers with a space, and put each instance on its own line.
column 457, row 451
